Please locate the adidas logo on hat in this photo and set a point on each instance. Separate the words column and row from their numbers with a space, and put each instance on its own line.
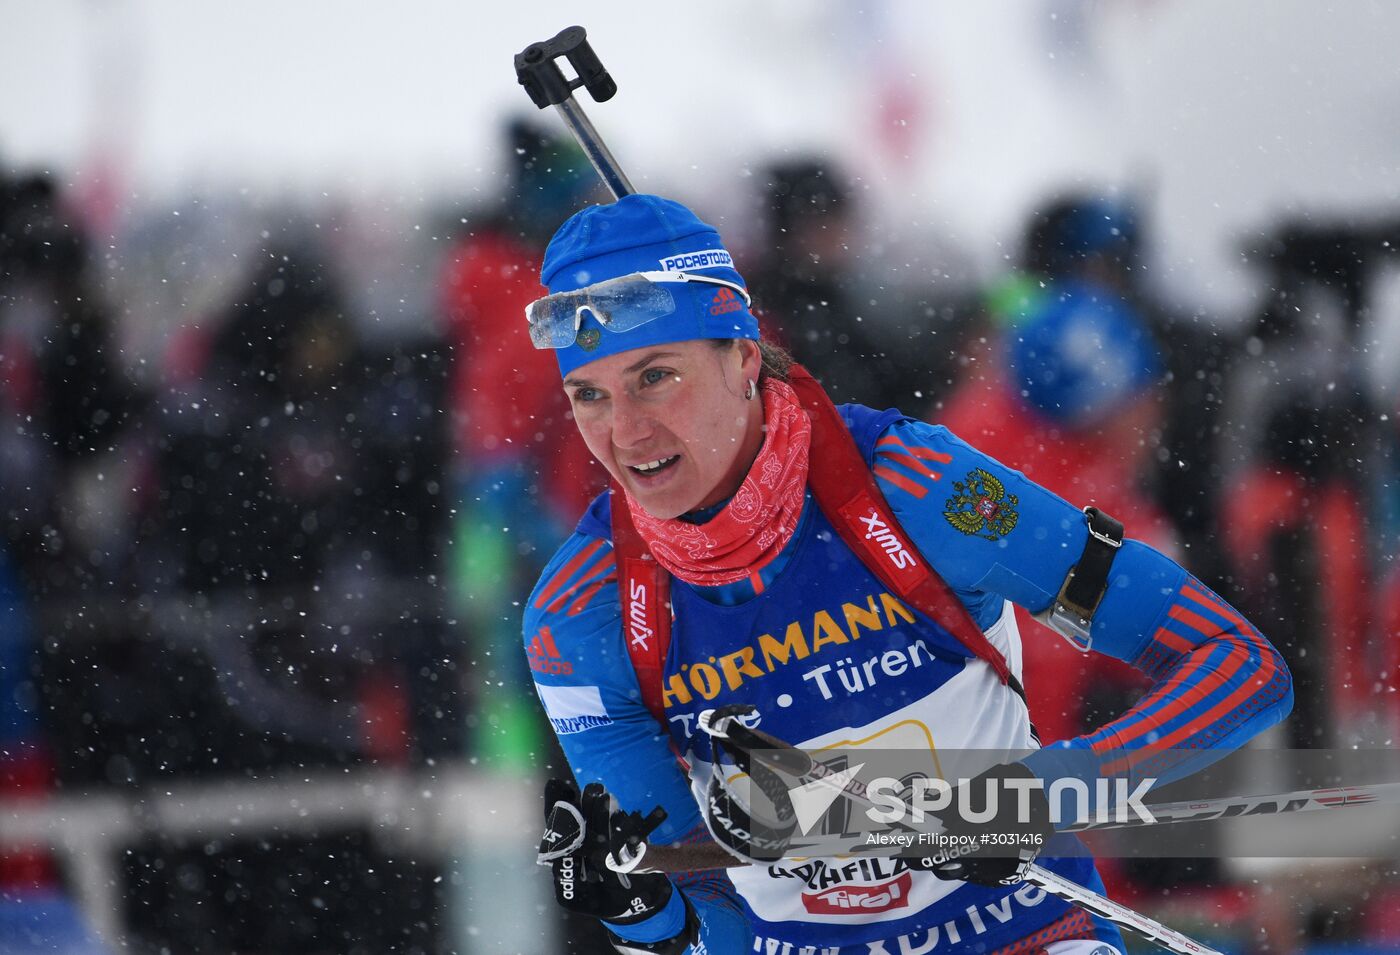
column 725, row 301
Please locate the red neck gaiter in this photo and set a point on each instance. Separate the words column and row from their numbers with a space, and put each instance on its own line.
column 759, row 519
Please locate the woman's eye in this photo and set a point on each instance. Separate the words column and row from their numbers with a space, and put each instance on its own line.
column 653, row 376
column 586, row 394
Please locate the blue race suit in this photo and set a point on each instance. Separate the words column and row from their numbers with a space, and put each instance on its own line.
column 831, row 658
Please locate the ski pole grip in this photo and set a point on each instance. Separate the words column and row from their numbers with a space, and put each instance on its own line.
column 537, row 69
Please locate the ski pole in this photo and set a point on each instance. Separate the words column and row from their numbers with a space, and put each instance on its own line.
column 785, row 758
column 537, row 69
column 1231, row 807
column 686, row 858
column 1116, row 912
column 797, row 762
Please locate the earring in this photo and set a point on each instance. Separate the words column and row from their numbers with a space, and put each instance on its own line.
column 750, row 391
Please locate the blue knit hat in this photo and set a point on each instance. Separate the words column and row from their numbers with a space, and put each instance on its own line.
column 642, row 233
column 1081, row 355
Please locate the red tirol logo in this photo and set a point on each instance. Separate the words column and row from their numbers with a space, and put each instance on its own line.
column 725, row 301
column 544, row 655
column 859, row 899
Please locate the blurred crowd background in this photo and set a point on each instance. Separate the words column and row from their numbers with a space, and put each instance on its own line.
column 277, row 467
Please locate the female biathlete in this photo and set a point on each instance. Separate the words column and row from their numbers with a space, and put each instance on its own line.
column 847, row 572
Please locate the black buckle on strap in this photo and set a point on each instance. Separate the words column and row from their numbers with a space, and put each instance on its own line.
column 1072, row 613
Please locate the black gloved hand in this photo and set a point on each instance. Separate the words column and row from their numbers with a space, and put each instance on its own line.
column 752, row 818
column 1001, row 848
column 581, row 832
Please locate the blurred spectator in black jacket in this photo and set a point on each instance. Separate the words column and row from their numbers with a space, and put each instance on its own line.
column 803, row 286
column 62, row 401
column 263, row 459
column 295, row 493
column 65, row 396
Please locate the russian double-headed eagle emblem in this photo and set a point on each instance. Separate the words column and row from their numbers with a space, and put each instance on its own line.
column 981, row 507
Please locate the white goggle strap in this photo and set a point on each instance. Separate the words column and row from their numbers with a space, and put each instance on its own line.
column 692, row 277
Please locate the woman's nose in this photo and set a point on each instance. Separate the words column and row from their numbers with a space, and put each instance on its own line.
column 631, row 424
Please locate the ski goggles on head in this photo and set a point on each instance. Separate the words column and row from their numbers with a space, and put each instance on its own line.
column 618, row 305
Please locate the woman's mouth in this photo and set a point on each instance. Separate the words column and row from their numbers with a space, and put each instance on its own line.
column 652, row 468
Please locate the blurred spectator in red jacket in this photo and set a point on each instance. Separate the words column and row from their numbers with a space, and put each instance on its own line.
column 1067, row 388
column 504, row 400
column 522, row 473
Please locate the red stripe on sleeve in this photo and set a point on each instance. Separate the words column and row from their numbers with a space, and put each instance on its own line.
column 1243, row 692
column 913, row 464
column 590, row 593
column 1255, row 682
column 1179, row 697
column 1168, row 639
column 1184, row 614
column 918, row 451
column 899, row 481
column 1219, row 606
column 566, row 572
column 589, row 575
column 1189, row 689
